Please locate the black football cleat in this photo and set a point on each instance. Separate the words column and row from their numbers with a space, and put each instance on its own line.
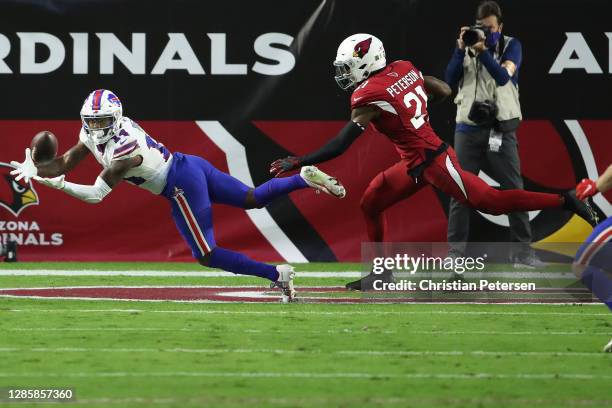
column 367, row 282
column 581, row 208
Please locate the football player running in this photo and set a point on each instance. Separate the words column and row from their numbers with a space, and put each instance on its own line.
column 393, row 97
column 190, row 183
column 593, row 261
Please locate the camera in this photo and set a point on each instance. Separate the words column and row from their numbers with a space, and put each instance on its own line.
column 483, row 112
column 8, row 251
column 475, row 34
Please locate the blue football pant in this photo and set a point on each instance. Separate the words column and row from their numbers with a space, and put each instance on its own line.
column 193, row 186
column 593, row 262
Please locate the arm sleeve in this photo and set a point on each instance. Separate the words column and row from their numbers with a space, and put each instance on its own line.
column 90, row 194
column 336, row 146
column 454, row 69
column 498, row 72
column 514, row 53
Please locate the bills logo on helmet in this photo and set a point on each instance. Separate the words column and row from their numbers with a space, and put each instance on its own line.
column 15, row 196
column 362, row 48
column 112, row 98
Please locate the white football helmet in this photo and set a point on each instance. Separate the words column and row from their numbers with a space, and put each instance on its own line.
column 358, row 56
column 101, row 113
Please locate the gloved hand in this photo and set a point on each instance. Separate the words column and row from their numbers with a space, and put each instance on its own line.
column 26, row 170
column 585, row 189
column 281, row 166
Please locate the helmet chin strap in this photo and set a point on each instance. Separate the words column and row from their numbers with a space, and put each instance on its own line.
column 98, row 134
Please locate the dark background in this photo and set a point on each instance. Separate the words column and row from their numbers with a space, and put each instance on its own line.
column 421, row 31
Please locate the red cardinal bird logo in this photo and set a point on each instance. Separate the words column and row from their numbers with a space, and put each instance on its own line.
column 15, row 196
column 362, row 48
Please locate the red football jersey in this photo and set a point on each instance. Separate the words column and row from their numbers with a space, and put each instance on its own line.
column 399, row 92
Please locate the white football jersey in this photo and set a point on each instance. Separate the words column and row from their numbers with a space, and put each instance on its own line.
column 131, row 140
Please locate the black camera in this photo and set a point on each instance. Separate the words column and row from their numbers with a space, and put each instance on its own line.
column 8, row 251
column 475, row 34
column 483, row 112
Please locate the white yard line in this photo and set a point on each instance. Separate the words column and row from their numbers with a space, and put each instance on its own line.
column 345, row 401
column 330, row 331
column 277, row 311
column 416, row 353
column 197, row 330
column 310, row 375
column 310, row 274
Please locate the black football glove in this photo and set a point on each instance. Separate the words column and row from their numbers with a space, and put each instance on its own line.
column 281, row 166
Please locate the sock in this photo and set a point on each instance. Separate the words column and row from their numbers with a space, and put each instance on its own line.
column 277, row 187
column 235, row 262
column 600, row 283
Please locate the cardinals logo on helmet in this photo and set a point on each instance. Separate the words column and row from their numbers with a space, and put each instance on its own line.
column 362, row 48
column 15, row 196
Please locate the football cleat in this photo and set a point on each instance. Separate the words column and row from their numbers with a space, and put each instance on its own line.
column 367, row 282
column 286, row 273
column 320, row 181
column 528, row 261
column 581, row 208
column 608, row 347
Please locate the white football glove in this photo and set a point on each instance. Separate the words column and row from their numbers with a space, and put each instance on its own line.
column 26, row 170
column 55, row 182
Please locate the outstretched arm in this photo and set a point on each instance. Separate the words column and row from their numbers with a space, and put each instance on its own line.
column 437, row 90
column 56, row 167
column 105, row 182
column 64, row 163
column 360, row 118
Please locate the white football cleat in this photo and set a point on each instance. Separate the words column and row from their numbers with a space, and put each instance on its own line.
column 286, row 273
column 320, row 181
column 608, row 347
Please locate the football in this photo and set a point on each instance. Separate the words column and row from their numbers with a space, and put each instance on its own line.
column 44, row 147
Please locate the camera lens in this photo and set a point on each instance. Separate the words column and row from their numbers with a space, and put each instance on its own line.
column 471, row 37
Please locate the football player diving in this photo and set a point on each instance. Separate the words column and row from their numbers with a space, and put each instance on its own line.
column 190, row 183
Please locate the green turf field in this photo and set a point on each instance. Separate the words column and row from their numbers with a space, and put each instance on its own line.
column 161, row 353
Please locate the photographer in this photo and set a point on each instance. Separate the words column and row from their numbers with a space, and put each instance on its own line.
column 485, row 66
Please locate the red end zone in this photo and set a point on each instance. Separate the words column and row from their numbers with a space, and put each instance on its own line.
column 257, row 294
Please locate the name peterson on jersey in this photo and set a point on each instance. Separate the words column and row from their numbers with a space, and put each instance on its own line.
column 399, row 92
column 131, row 141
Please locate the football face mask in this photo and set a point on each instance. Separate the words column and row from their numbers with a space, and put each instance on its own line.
column 98, row 122
column 98, row 126
column 344, row 77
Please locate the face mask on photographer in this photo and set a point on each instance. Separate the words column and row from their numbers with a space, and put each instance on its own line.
column 492, row 39
column 493, row 27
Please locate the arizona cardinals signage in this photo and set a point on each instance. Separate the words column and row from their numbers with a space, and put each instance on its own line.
column 241, row 95
column 15, row 195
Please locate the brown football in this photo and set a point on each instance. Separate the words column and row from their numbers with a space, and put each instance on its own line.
column 44, row 147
